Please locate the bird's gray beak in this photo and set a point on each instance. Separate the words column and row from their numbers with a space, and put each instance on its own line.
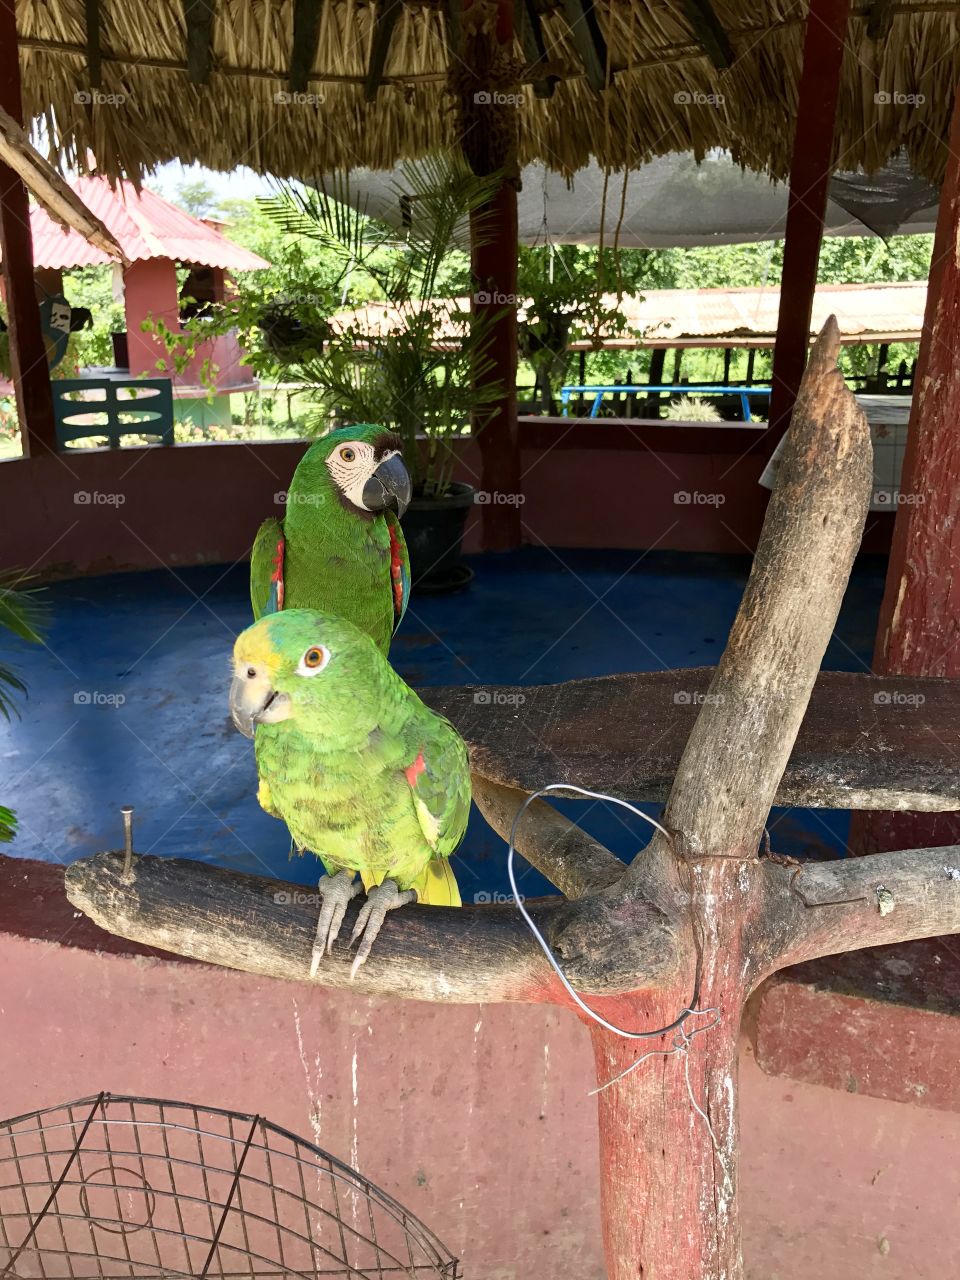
column 389, row 487
column 253, row 701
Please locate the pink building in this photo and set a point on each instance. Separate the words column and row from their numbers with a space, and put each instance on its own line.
column 156, row 238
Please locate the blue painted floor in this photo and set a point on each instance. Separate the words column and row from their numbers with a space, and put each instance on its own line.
column 128, row 704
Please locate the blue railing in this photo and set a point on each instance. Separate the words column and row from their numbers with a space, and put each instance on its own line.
column 567, row 393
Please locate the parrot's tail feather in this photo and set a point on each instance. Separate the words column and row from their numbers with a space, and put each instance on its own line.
column 437, row 886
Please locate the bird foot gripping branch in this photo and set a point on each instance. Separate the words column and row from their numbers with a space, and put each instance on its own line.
column 339, row 890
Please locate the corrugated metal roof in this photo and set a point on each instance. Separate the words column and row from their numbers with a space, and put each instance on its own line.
column 146, row 226
column 692, row 317
column 861, row 309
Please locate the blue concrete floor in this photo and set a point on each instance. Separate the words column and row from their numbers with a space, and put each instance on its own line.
column 127, row 701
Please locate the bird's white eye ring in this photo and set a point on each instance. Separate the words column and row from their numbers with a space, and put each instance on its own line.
column 314, row 660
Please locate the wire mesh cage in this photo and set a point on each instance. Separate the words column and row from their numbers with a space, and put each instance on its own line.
column 113, row 1186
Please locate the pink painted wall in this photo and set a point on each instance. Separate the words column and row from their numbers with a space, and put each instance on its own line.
column 475, row 1117
column 585, row 485
column 150, row 290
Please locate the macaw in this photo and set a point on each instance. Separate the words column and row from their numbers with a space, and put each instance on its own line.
column 339, row 546
column 363, row 773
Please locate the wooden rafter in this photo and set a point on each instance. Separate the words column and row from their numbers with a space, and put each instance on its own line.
column 49, row 188
column 452, row 11
column 306, row 33
column 708, row 29
column 388, row 11
column 92, row 17
column 198, row 16
column 880, row 19
column 588, row 39
column 526, row 22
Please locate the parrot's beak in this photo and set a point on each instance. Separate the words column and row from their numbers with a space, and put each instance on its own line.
column 389, row 487
column 253, row 700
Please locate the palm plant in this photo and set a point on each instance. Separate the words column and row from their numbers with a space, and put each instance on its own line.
column 21, row 615
column 419, row 366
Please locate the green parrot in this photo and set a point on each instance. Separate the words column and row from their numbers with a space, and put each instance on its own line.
column 362, row 772
column 339, row 546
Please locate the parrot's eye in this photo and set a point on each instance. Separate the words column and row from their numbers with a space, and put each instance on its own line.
column 314, row 660
column 348, row 454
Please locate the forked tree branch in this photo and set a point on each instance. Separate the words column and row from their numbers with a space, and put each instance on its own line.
column 570, row 859
column 739, row 747
column 823, row 908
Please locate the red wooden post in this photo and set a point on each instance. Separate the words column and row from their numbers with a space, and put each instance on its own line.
column 28, row 356
column 494, row 262
column 919, row 628
column 810, row 169
column 494, row 269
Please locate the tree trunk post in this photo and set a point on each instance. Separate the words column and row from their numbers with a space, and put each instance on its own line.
column 28, row 355
column 918, row 632
column 489, row 101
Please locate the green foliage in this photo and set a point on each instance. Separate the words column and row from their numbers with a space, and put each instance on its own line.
column 417, row 373
column 563, row 288
column 691, row 409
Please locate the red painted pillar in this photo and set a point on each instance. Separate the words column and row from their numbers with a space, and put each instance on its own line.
column 919, row 629
column 150, row 291
column 811, row 167
column 28, row 356
column 494, row 269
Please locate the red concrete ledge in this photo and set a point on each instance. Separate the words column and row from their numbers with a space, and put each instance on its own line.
column 883, row 1022
column 33, row 905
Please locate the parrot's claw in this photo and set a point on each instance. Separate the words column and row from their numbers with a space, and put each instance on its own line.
column 385, row 897
column 335, row 891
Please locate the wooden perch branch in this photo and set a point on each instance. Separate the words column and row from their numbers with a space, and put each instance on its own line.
column 50, row 190
column 570, row 859
column 735, row 757
column 867, row 742
column 423, row 953
column 852, row 903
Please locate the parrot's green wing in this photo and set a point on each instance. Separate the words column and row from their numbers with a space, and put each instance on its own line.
column 266, row 569
column 439, row 778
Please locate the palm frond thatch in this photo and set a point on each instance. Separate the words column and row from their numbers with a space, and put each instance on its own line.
column 664, row 93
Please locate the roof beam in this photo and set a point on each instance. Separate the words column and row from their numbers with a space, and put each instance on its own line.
column 708, row 29
column 306, row 33
column 880, row 19
column 198, row 16
column 388, row 11
column 92, row 22
column 452, row 10
column 588, row 39
column 526, row 22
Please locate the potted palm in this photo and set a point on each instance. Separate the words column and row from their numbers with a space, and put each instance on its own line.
column 411, row 357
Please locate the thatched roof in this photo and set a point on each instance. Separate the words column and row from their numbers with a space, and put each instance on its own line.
column 666, row 94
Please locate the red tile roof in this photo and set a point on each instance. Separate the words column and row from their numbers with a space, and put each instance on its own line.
column 146, row 226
